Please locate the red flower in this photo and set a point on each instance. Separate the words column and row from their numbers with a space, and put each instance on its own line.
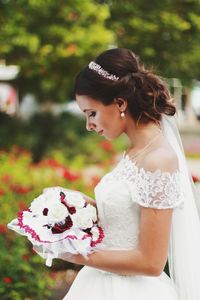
column 57, row 228
column 68, row 175
column 106, row 146
column 19, row 189
column 3, row 229
column 195, row 178
column 52, row 163
column 22, row 205
column 26, row 257
column 7, row 280
column 72, row 209
column 100, row 238
column 6, row 178
column 45, row 211
column 2, row 192
column 62, row 197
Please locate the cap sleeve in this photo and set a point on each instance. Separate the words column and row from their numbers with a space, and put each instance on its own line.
column 160, row 190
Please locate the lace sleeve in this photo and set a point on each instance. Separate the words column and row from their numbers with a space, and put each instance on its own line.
column 158, row 189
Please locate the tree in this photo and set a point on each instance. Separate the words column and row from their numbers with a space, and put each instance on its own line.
column 165, row 34
column 51, row 40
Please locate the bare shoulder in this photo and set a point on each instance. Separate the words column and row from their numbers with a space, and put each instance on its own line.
column 163, row 158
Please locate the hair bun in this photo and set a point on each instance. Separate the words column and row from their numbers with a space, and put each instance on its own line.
column 146, row 93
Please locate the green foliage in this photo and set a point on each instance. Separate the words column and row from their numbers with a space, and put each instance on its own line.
column 50, row 40
column 23, row 274
column 42, row 133
column 165, row 34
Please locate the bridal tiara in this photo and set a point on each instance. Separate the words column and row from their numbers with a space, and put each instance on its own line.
column 97, row 68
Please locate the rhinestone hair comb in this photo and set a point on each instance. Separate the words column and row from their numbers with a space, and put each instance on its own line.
column 97, row 68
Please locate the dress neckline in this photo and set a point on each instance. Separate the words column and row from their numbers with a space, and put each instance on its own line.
column 127, row 158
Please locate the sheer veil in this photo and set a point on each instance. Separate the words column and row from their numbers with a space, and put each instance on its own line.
column 184, row 248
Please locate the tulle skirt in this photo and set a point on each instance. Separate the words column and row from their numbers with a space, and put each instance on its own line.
column 94, row 284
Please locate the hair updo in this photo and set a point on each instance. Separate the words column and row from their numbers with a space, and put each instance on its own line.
column 146, row 93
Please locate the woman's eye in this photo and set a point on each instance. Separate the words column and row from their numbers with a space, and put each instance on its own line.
column 93, row 114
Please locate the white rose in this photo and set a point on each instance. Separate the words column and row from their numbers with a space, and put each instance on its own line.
column 52, row 197
column 92, row 211
column 44, row 201
column 74, row 199
column 95, row 233
column 84, row 218
column 38, row 205
column 57, row 213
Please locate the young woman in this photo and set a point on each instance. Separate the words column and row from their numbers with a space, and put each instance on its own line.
column 145, row 204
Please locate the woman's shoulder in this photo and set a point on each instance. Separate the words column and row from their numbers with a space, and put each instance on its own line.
column 162, row 158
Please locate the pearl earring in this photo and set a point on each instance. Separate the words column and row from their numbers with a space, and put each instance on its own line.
column 122, row 114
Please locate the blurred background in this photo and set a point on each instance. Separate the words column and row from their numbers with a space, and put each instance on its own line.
column 43, row 141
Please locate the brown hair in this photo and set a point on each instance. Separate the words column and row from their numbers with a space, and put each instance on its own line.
column 146, row 93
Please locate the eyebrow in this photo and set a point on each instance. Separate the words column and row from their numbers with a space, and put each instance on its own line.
column 86, row 110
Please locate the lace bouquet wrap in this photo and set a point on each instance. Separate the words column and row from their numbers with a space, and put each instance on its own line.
column 57, row 222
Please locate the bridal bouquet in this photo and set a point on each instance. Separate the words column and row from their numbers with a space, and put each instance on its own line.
column 57, row 222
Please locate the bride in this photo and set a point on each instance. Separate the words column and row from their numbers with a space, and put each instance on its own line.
column 145, row 204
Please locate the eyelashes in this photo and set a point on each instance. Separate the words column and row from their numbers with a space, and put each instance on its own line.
column 93, row 114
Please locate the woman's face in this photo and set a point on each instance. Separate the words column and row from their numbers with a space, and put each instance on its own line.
column 104, row 119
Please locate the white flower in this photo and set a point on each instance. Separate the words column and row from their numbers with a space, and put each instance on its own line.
column 57, row 213
column 74, row 199
column 92, row 211
column 38, row 205
column 95, row 233
column 85, row 217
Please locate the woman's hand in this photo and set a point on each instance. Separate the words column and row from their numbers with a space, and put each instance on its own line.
column 72, row 258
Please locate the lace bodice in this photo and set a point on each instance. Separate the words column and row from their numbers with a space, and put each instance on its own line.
column 120, row 195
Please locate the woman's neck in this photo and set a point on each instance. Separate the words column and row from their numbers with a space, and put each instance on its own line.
column 140, row 135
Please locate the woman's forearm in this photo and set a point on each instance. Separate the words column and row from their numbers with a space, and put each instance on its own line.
column 123, row 262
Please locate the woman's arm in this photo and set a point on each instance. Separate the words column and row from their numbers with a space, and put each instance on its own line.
column 151, row 254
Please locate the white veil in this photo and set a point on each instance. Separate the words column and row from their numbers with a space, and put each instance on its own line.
column 184, row 248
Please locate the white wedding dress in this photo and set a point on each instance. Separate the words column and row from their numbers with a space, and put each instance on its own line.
column 119, row 196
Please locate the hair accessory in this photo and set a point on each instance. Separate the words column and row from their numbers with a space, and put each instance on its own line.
column 122, row 114
column 97, row 68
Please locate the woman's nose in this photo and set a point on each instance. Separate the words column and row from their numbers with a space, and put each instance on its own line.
column 90, row 126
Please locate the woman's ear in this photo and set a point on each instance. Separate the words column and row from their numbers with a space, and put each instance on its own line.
column 121, row 103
